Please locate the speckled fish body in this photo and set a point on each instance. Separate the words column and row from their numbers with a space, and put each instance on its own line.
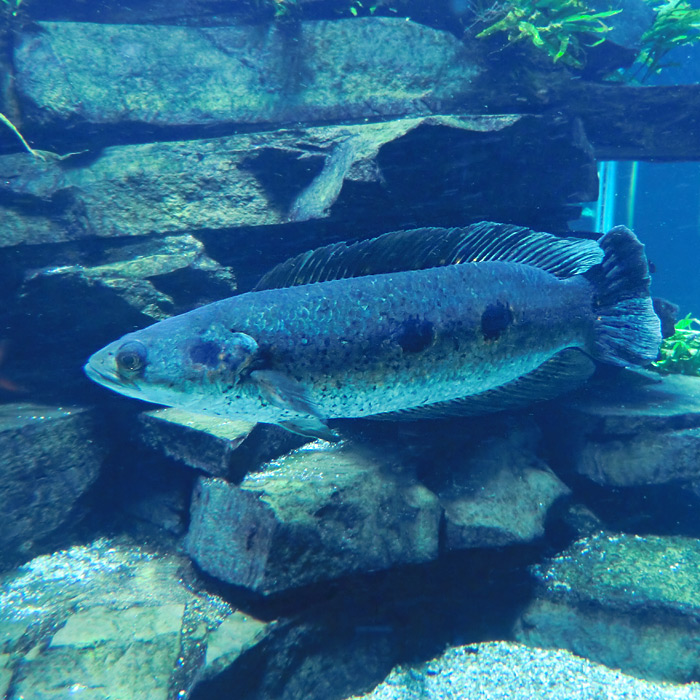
column 361, row 346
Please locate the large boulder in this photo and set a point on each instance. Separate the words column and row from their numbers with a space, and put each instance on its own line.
column 316, row 514
column 500, row 494
column 626, row 601
column 111, row 620
column 212, row 444
column 49, row 458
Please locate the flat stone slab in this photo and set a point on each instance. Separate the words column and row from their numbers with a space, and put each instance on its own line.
column 140, row 279
column 277, row 177
column 636, row 433
column 200, row 441
column 507, row 671
column 647, row 401
column 219, row 447
column 317, row 514
column 166, row 187
column 50, row 456
column 171, row 76
column 623, row 600
column 114, row 621
column 628, row 572
column 135, row 283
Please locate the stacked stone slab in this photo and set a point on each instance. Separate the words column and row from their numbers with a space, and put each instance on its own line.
column 626, row 601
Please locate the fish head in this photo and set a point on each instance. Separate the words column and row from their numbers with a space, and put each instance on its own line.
column 173, row 365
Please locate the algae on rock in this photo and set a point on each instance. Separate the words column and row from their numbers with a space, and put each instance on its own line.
column 627, row 601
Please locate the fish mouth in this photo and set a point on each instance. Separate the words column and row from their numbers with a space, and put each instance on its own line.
column 106, row 378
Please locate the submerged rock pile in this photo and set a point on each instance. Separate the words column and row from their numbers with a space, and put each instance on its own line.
column 113, row 620
column 155, row 554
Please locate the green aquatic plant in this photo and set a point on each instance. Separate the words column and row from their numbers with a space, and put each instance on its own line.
column 680, row 354
column 283, row 9
column 558, row 27
column 357, row 8
column 565, row 28
column 676, row 23
column 12, row 6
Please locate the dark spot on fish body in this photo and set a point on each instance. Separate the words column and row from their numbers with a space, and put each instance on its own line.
column 495, row 319
column 415, row 335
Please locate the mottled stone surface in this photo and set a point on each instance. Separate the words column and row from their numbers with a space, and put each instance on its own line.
column 67, row 312
column 641, row 401
column 170, row 76
column 219, row 447
column 273, row 177
column 507, row 671
column 190, row 12
column 316, row 514
column 114, row 621
column 49, row 457
column 145, row 277
column 637, row 431
column 623, row 600
column 499, row 496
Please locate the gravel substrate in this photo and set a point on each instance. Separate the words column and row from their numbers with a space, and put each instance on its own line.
column 501, row 670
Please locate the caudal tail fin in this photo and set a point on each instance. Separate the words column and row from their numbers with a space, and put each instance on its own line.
column 627, row 331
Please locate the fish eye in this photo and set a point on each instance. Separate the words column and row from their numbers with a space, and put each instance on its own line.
column 131, row 357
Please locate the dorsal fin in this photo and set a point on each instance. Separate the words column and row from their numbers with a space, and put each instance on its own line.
column 563, row 372
column 422, row 248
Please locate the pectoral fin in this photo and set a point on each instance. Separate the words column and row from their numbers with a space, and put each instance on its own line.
column 290, row 395
column 283, row 391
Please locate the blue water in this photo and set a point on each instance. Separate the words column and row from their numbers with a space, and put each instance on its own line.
column 666, row 213
column 120, row 473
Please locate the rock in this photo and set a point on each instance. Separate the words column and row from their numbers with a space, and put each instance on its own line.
column 623, row 600
column 507, row 671
column 219, row 447
column 83, row 307
column 369, row 177
column 50, row 458
column 635, row 432
column 314, row 515
column 190, row 12
column 114, row 621
column 171, row 263
column 148, row 489
column 630, row 121
column 173, row 76
column 500, row 495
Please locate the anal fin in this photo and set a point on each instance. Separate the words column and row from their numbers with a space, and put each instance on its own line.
column 310, row 426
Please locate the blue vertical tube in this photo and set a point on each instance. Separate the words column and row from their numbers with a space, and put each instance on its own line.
column 605, row 210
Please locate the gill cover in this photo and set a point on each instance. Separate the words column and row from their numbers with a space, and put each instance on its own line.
column 223, row 356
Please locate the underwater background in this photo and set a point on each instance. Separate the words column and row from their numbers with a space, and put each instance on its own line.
column 540, row 541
